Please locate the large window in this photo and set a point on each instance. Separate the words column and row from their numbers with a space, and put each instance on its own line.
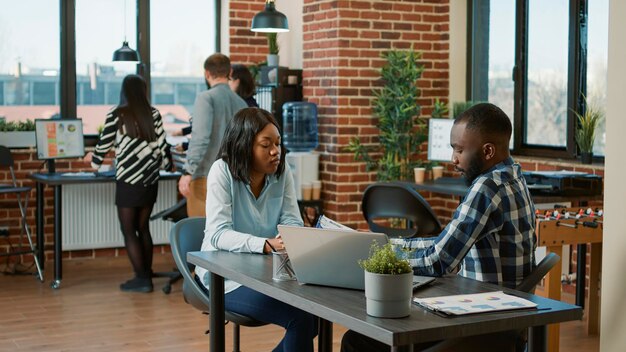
column 538, row 60
column 29, row 67
column 179, row 44
column 38, row 78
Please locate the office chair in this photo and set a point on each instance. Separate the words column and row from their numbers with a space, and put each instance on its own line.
column 6, row 160
column 186, row 236
column 517, row 341
column 399, row 200
column 174, row 214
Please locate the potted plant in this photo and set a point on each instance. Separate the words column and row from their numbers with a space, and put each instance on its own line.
column 402, row 131
column 388, row 283
column 586, row 131
column 19, row 134
column 272, row 43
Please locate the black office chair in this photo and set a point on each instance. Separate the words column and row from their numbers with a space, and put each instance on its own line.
column 21, row 193
column 399, row 200
column 531, row 281
column 174, row 214
column 186, row 236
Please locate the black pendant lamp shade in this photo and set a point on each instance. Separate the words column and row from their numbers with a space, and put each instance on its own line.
column 269, row 20
column 125, row 53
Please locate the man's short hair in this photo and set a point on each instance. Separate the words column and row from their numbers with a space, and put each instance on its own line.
column 491, row 123
column 218, row 65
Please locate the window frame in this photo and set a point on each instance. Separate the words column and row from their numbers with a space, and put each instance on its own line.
column 67, row 76
column 477, row 75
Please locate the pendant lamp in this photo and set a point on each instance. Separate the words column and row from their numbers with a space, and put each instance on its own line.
column 125, row 53
column 269, row 20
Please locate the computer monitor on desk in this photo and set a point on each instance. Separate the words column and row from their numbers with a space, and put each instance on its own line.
column 59, row 139
column 439, row 148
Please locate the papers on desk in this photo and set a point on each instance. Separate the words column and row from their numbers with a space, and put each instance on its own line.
column 327, row 223
column 474, row 303
column 78, row 174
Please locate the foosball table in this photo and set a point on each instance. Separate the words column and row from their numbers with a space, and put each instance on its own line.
column 572, row 226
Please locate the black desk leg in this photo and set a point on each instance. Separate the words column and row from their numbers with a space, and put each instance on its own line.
column 40, row 230
column 537, row 339
column 58, row 244
column 325, row 336
column 216, row 314
column 581, row 272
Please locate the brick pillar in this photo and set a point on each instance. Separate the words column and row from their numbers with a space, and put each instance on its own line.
column 343, row 41
column 246, row 47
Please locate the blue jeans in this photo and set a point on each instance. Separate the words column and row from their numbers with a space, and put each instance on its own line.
column 301, row 327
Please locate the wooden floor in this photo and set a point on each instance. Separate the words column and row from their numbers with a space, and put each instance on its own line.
column 89, row 313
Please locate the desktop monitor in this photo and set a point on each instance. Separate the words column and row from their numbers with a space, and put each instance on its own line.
column 439, row 148
column 59, row 138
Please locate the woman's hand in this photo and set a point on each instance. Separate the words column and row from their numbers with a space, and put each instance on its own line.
column 88, row 157
column 273, row 244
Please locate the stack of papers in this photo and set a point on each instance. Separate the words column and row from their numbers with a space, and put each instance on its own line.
column 474, row 303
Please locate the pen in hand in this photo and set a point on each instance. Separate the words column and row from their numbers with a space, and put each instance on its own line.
column 271, row 247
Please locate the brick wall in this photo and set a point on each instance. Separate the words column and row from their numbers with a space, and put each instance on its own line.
column 26, row 163
column 246, row 47
column 343, row 42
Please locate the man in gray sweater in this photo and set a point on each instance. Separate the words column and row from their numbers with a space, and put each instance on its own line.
column 212, row 111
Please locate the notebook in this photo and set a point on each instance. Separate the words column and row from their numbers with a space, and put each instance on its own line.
column 330, row 256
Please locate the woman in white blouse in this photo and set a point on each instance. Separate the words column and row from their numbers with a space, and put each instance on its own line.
column 249, row 193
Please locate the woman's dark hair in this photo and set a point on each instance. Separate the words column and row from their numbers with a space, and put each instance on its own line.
column 238, row 142
column 246, row 82
column 134, row 109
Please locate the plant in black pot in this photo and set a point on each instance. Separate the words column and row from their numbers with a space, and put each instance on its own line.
column 388, row 283
column 586, row 131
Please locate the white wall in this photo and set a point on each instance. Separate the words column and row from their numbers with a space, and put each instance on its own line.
column 290, row 43
column 613, row 314
column 225, row 24
column 458, row 50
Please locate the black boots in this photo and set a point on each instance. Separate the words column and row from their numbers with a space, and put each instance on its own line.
column 137, row 284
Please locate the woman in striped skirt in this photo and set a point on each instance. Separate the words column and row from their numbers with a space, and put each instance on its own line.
column 135, row 129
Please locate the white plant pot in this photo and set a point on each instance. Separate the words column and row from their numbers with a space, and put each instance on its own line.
column 388, row 296
column 18, row 139
column 272, row 60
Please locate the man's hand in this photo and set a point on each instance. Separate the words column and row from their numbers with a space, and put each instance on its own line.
column 183, row 185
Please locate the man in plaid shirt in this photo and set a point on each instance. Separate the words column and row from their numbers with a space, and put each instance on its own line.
column 492, row 232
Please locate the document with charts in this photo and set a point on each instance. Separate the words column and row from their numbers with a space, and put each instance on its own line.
column 474, row 303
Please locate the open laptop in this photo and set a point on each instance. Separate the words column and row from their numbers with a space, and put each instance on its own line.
column 330, row 256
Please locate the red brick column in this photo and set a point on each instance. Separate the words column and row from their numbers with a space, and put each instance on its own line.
column 246, row 47
column 343, row 41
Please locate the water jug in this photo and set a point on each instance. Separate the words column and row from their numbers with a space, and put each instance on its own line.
column 300, row 126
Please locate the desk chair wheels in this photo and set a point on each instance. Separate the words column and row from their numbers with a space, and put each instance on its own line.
column 173, row 276
column 55, row 284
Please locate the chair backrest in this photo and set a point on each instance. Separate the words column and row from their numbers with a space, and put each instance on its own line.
column 6, row 160
column 186, row 236
column 399, row 200
column 532, row 280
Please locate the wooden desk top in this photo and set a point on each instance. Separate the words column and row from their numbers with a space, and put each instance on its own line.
column 347, row 307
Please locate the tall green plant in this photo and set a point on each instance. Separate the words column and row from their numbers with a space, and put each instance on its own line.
column 402, row 131
column 272, row 43
column 587, row 126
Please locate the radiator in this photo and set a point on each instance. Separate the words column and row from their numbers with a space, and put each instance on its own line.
column 89, row 216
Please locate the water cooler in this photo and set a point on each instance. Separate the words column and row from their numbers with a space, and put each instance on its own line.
column 300, row 138
column 304, row 167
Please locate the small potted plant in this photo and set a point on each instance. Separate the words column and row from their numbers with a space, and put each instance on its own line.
column 20, row 134
column 272, row 43
column 586, row 131
column 388, row 281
